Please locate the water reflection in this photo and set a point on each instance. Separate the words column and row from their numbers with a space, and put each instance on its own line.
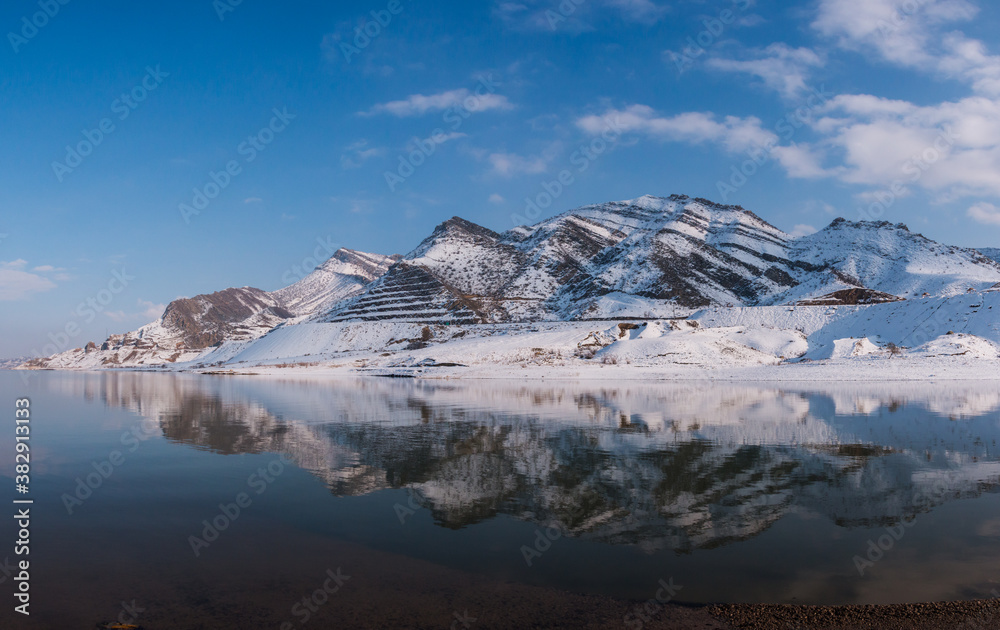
column 663, row 466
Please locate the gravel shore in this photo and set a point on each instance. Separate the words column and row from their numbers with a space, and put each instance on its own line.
column 969, row 615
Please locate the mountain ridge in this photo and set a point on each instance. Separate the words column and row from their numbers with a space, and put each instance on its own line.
column 654, row 251
column 646, row 257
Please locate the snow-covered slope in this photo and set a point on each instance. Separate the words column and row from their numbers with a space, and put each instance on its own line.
column 345, row 274
column 646, row 253
column 191, row 326
column 887, row 258
column 187, row 327
column 656, row 256
column 647, row 258
column 955, row 337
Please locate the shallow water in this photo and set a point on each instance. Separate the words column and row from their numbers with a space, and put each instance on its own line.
column 440, row 493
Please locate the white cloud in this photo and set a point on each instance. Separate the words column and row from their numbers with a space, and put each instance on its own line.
column 985, row 213
column 951, row 148
column 360, row 206
column 153, row 311
column 914, row 35
column 800, row 161
column 420, row 104
column 253, row 200
column 509, row 164
column 17, row 284
column 968, row 59
column 735, row 134
column 782, row 68
column 148, row 312
column 900, row 33
column 357, row 153
column 496, row 198
column 20, row 263
column 802, row 230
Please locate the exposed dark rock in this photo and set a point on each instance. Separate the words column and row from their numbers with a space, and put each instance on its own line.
column 851, row 296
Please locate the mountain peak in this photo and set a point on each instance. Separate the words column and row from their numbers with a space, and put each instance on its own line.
column 458, row 224
column 841, row 222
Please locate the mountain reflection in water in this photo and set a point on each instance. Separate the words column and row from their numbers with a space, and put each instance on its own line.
column 677, row 466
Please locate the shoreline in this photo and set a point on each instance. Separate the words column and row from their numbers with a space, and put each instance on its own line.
column 964, row 615
column 873, row 371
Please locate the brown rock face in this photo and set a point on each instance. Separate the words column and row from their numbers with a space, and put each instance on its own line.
column 206, row 320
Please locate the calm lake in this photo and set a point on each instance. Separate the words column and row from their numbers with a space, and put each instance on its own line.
column 182, row 500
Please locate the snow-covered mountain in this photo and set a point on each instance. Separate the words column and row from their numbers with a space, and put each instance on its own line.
column 343, row 275
column 887, row 258
column 646, row 258
column 189, row 326
column 656, row 256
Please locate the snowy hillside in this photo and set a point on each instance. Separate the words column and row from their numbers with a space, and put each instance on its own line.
column 345, row 274
column 190, row 326
column 656, row 257
column 561, row 293
column 889, row 258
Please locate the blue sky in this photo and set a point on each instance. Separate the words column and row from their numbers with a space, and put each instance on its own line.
column 313, row 125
